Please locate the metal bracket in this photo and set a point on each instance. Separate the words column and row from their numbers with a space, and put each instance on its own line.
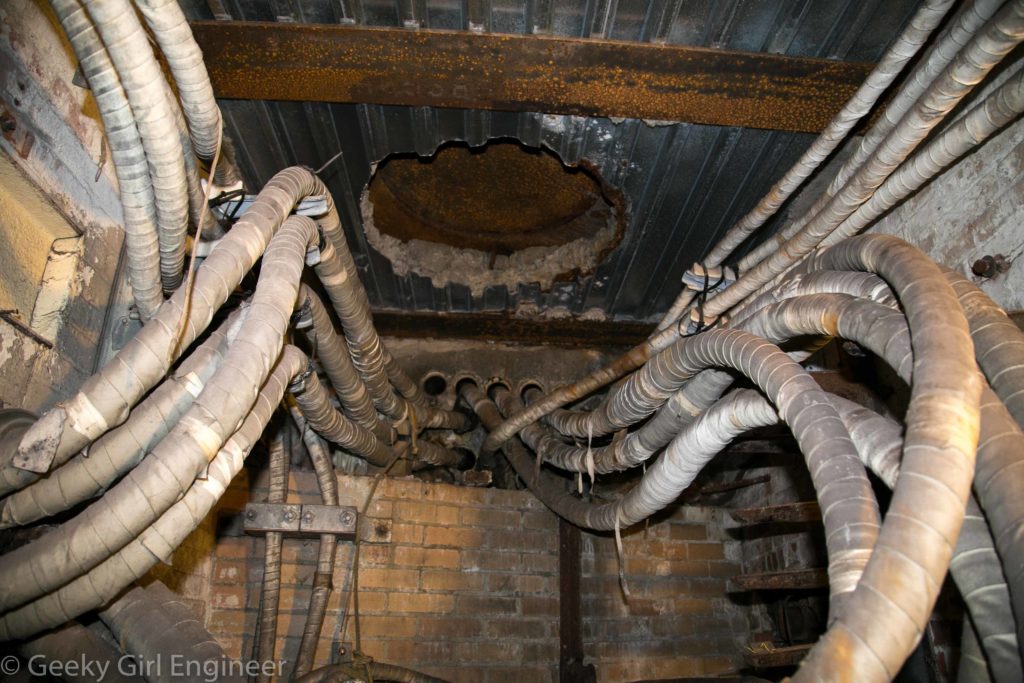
column 313, row 205
column 300, row 520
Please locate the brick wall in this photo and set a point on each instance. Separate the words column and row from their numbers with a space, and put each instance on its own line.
column 462, row 583
column 190, row 572
column 778, row 547
column 678, row 621
column 464, row 586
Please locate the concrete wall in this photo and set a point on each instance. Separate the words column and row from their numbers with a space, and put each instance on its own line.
column 28, row 226
column 57, row 183
column 972, row 210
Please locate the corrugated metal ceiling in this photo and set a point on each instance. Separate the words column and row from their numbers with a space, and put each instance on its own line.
column 685, row 184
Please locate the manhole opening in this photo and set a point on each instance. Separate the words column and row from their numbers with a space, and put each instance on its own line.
column 498, row 198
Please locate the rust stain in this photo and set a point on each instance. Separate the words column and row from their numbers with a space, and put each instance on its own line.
column 303, row 62
column 497, row 198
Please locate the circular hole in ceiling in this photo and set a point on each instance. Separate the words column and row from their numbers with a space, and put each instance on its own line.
column 500, row 213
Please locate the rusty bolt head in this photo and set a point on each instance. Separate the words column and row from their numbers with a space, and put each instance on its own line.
column 348, row 518
column 990, row 266
column 289, row 515
column 307, row 517
column 250, row 515
column 984, row 267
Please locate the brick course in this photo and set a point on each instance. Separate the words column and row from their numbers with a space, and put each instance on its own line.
column 467, row 587
column 678, row 621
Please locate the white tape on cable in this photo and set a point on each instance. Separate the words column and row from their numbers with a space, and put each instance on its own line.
column 340, row 278
column 84, row 417
column 205, row 436
column 193, row 384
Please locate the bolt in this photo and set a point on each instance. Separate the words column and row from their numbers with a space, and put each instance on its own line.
column 347, row 518
column 289, row 515
column 853, row 349
column 250, row 515
column 989, row 266
column 307, row 517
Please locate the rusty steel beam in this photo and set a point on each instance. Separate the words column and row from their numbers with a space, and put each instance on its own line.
column 790, row 579
column 807, row 511
column 767, row 656
column 328, row 63
column 723, row 486
column 571, row 668
column 565, row 332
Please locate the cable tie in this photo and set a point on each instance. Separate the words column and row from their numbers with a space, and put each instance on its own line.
column 590, row 455
column 413, row 446
column 620, row 554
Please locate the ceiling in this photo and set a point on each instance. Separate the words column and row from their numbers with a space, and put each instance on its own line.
column 683, row 184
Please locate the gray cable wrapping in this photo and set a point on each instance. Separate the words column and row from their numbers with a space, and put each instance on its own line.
column 270, row 587
column 89, row 474
column 697, row 394
column 850, row 514
column 170, row 469
column 371, row 358
column 982, row 54
column 999, row 342
column 618, row 368
column 973, row 668
column 895, row 59
column 1000, row 452
column 152, row 623
column 106, row 397
column 942, row 436
column 133, row 180
column 204, row 221
column 331, row 424
column 964, row 26
column 158, row 542
column 76, row 642
column 327, row 481
column 170, row 28
column 130, row 51
column 975, row 565
column 437, row 455
column 334, row 356
column 967, row 133
column 884, row 622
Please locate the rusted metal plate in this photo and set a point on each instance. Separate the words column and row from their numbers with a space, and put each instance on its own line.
column 328, row 63
column 300, row 520
column 787, row 512
column 767, row 656
column 571, row 667
column 562, row 332
column 792, row 579
column 722, row 487
column 263, row 517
